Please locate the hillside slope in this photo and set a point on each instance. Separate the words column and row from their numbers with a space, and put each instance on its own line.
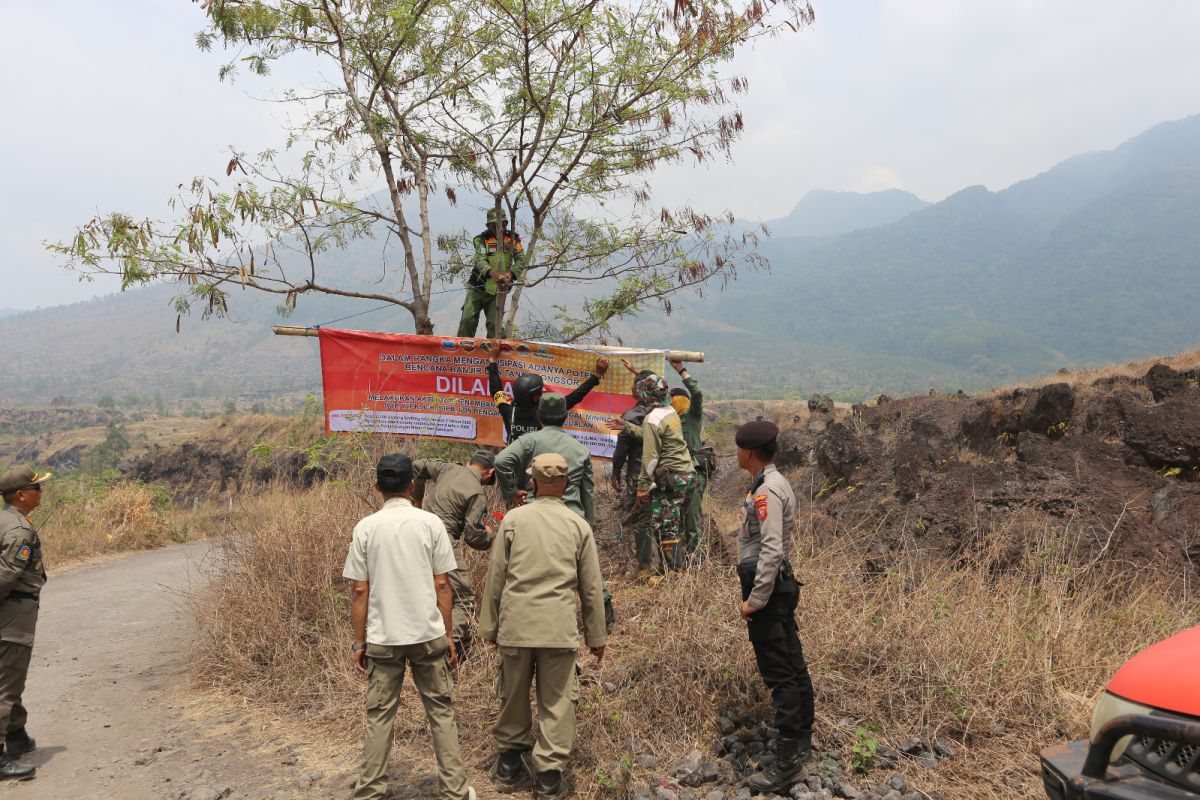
column 1093, row 260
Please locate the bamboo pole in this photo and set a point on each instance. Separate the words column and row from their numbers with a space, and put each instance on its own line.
column 689, row 356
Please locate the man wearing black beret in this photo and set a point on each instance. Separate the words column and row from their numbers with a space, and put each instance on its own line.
column 770, row 593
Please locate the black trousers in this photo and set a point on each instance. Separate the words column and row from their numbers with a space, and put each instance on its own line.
column 780, row 658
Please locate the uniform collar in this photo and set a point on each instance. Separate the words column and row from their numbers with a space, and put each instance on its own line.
column 398, row 502
column 547, row 499
column 761, row 477
column 14, row 510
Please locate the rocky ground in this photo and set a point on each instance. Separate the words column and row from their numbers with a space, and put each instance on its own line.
column 1116, row 460
column 747, row 745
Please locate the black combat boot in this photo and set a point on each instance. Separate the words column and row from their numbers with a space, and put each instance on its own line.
column 610, row 616
column 549, row 785
column 509, row 770
column 11, row 769
column 18, row 743
column 785, row 771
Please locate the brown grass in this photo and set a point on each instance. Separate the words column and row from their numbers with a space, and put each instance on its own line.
column 1002, row 664
column 1183, row 362
column 81, row 519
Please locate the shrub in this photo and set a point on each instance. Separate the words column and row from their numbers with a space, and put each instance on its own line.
column 1000, row 663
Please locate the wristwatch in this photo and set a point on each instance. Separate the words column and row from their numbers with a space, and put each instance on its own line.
column 355, row 647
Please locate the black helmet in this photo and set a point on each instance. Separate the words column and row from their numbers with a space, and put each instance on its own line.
column 527, row 388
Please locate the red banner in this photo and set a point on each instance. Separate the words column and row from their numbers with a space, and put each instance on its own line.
column 408, row 385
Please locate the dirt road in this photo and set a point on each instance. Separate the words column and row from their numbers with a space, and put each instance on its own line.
column 107, row 704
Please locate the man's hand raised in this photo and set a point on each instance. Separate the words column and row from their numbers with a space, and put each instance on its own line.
column 601, row 366
column 629, row 366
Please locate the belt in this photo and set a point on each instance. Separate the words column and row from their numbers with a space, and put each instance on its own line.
column 22, row 596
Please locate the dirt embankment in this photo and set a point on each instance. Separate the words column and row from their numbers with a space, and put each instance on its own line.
column 234, row 453
column 1109, row 468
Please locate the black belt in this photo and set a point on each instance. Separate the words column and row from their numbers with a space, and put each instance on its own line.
column 22, row 596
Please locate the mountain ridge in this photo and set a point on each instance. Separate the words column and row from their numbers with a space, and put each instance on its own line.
column 1091, row 261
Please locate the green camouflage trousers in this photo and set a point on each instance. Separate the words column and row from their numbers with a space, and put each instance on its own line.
column 669, row 501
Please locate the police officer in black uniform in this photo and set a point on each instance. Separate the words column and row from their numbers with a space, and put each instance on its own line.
column 770, row 593
column 520, row 414
column 22, row 576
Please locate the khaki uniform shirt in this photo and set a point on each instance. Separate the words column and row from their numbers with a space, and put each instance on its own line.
column 513, row 460
column 21, row 572
column 663, row 446
column 544, row 555
column 398, row 550
column 457, row 498
column 767, row 518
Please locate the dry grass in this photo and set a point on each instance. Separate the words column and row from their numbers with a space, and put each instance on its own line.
column 1002, row 664
column 1183, row 362
column 81, row 519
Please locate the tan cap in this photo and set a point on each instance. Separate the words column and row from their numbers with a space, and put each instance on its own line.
column 548, row 467
column 20, row 477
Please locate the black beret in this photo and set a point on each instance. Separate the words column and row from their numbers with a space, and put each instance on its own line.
column 679, row 391
column 755, row 434
column 395, row 466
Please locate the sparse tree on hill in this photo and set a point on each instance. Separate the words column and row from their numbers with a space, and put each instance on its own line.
column 555, row 110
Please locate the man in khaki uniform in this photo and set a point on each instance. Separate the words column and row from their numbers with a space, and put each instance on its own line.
column 22, row 576
column 512, row 468
column 456, row 496
column 398, row 564
column 544, row 555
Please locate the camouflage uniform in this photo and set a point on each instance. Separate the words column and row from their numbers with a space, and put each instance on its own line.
column 692, row 420
column 667, row 471
column 491, row 253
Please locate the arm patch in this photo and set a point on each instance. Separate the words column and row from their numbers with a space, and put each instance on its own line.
column 760, row 505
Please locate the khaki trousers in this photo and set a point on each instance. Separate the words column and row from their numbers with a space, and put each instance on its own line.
column 14, row 668
column 431, row 675
column 464, row 599
column 557, row 696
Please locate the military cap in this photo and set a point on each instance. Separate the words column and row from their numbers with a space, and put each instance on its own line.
column 755, row 434
column 394, row 466
column 21, row 477
column 548, row 467
column 491, row 215
column 484, row 458
column 650, row 388
column 553, row 406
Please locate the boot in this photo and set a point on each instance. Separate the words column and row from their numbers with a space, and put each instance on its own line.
column 509, row 770
column 549, row 785
column 786, row 770
column 11, row 769
column 610, row 616
column 18, row 743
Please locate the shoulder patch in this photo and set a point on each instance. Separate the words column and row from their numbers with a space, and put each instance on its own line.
column 760, row 505
column 24, row 553
column 501, row 398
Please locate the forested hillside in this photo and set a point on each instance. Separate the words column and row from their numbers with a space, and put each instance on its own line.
column 1094, row 260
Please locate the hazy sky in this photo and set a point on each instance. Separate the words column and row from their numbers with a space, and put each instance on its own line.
column 107, row 105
